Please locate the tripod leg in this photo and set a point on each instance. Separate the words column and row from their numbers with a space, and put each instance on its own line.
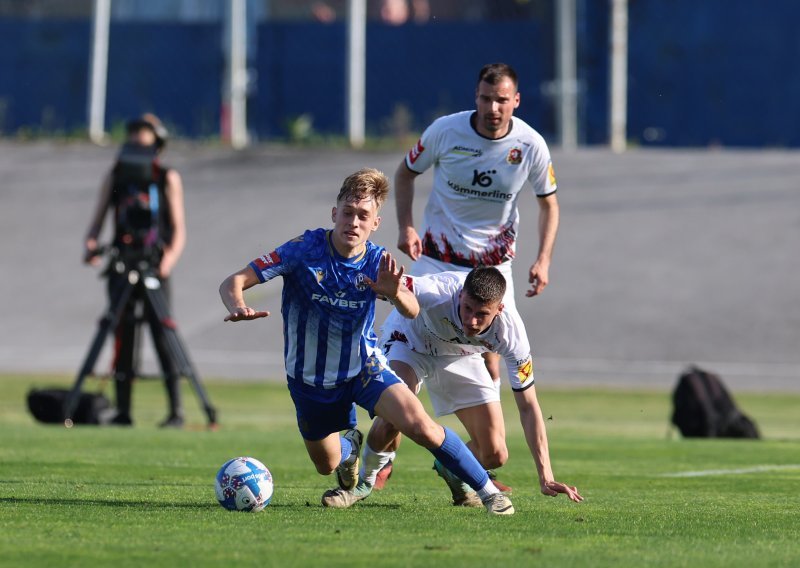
column 154, row 295
column 124, row 367
column 169, row 368
column 107, row 323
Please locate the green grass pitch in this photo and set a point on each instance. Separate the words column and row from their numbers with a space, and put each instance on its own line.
column 142, row 496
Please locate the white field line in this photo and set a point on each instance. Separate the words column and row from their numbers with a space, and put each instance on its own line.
column 754, row 469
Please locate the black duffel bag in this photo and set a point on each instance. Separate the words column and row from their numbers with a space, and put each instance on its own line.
column 47, row 405
column 703, row 408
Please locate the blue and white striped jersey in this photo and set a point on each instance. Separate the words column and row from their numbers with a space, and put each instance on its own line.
column 328, row 310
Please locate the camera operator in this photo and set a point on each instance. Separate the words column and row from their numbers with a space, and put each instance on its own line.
column 146, row 201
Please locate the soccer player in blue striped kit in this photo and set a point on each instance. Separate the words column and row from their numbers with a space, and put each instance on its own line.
column 331, row 279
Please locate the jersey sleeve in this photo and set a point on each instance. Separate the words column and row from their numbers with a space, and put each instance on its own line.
column 429, row 290
column 542, row 176
column 275, row 263
column 517, row 353
column 425, row 152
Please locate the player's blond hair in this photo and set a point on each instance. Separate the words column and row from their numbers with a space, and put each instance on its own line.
column 366, row 183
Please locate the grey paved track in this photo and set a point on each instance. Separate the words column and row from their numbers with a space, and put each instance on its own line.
column 664, row 258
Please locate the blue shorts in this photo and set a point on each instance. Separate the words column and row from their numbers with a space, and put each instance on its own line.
column 322, row 411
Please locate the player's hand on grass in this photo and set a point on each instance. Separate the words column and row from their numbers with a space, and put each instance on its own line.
column 245, row 313
column 410, row 243
column 553, row 488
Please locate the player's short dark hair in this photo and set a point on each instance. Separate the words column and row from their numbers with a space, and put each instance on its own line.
column 366, row 183
column 485, row 284
column 493, row 73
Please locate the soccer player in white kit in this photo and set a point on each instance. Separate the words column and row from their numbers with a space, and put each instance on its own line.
column 461, row 316
column 481, row 159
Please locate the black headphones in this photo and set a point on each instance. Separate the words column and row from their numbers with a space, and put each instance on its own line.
column 153, row 124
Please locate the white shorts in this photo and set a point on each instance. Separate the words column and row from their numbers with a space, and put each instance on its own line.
column 454, row 381
column 425, row 265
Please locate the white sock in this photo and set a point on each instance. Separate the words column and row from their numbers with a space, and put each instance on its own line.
column 372, row 462
column 488, row 489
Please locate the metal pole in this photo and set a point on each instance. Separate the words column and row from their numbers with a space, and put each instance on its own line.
column 619, row 75
column 356, row 70
column 99, row 70
column 567, row 75
column 237, row 69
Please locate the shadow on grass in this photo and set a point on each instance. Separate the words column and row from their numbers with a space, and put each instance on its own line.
column 361, row 505
column 106, row 503
column 160, row 505
column 153, row 483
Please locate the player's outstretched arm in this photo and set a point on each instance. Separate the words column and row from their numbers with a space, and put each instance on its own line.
column 391, row 285
column 231, row 291
column 530, row 415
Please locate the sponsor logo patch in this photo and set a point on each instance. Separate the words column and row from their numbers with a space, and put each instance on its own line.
column 551, row 174
column 338, row 301
column 464, row 151
column 416, row 151
column 372, row 370
column 266, row 260
column 475, row 193
column 483, row 179
column 524, row 369
column 514, row 156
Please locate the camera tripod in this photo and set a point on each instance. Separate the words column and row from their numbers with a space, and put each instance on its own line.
column 139, row 277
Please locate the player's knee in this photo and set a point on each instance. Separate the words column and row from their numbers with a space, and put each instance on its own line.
column 426, row 433
column 494, row 457
column 383, row 431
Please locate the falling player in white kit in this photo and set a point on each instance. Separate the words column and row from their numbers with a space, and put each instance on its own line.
column 481, row 160
column 461, row 316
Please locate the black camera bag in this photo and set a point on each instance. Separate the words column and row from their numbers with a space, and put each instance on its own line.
column 47, row 405
column 703, row 408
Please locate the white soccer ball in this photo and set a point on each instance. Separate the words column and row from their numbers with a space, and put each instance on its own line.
column 243, row 484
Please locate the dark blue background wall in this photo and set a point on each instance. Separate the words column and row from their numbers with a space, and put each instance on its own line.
column 715, row 72
column 43, row 74
column 593, row 69
column 429, row 70
column 173, row 69
column 700, row 73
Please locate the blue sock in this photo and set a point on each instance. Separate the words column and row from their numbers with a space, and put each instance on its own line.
column 456, row 457
column 347, row 447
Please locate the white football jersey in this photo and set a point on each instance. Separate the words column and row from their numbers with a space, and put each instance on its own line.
column 472, row 216
column 437, row 329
